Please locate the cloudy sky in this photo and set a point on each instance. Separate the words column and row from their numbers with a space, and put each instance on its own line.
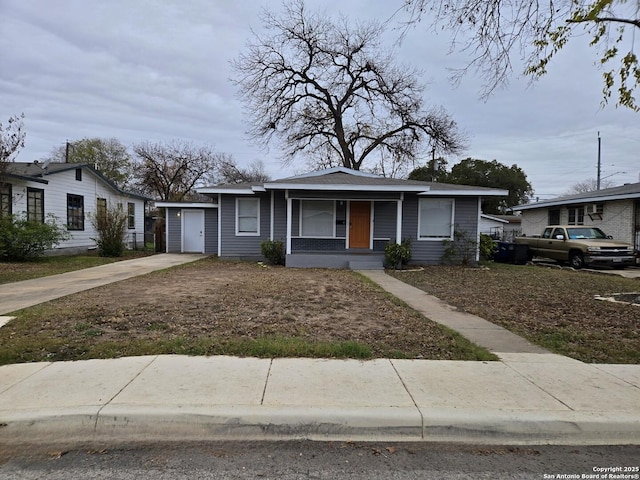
column 157, row 70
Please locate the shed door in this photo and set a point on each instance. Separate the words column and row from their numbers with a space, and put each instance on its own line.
column 360, row 225
column 193, row 231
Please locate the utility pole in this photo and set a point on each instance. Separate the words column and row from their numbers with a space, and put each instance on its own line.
column 599, row 163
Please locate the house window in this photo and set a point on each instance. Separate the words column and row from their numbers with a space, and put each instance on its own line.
column 435, row 218
column 131, row 215
column 101, row 208
column 247, row 216
column 5, row 199
column 576, row 216
column 554, row 216
column 75, row 212
column 35, row 205
column 79, row 174
column 317, row 218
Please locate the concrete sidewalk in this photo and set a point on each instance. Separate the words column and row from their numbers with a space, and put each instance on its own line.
column 18, row 295
column 528, row 397
column 523, row 399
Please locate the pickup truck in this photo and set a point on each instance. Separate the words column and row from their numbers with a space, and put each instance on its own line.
column 580, row 246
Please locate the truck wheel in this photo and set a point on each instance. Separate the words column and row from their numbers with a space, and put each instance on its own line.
column 576, row 260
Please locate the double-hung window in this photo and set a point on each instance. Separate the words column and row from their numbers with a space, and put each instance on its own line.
column 317, row 218
column 5, row 199
column 35, row 205
column 101, row 208
column 435, row 218
column 75, row 212
column 576, row 216
column 131, row 215
column 248, row 216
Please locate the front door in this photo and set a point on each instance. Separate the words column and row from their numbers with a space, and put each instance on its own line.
column 193, row 231
column 359, row 224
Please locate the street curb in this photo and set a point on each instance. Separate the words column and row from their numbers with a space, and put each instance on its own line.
column 135, row 424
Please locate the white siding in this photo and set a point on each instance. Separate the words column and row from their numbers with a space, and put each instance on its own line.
column 617, row 220
column 90, row 187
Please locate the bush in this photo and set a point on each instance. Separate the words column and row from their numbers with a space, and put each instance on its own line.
column 22, row 239
column 273, row 251
column 488, row 247
column 397, row 255
column 461, row 250
column 110, row 225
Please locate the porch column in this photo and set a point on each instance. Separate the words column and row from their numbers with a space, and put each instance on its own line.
column 399, row 219
column 289, row 212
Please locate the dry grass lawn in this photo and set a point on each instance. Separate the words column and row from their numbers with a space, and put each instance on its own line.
column 554, row 308
column 215, row 307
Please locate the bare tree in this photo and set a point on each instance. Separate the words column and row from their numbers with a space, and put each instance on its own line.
column 170, row 171
column 493, row 31
column 229, row 171
column 589, row 185
column 12, row 137
column 327, row 89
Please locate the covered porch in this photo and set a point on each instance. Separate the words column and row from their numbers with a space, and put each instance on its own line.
column 341, row 229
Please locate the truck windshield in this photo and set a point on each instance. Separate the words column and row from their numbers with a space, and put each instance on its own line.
column 585, row 232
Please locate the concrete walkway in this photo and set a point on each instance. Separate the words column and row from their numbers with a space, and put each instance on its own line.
column 476, row 329
column 528, row 397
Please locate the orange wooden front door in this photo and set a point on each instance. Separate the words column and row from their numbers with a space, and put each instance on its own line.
column 359, row 224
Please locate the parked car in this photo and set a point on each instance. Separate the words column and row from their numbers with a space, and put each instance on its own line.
column 579, row 246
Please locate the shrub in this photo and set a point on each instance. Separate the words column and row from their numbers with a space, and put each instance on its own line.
column 110, row 225
column 22, row 239
column 273, row 251
column 397, row 255
column 461, row 250
column 488, row 247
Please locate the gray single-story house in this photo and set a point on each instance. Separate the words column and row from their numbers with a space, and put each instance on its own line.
column 335, row 218
column 615, row 210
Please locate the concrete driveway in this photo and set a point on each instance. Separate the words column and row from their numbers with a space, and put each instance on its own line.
column 18, row 295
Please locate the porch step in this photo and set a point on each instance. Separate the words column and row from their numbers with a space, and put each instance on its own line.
column 366, row 265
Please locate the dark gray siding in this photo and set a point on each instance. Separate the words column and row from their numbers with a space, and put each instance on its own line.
column 280, row 217
column 174, row 227
column 384, row 220
column 240, row 246
column 211, row 231
column 174, row 230
column 466, row 216
column 430, row 251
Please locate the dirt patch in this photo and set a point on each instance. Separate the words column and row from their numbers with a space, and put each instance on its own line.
column 216, row 303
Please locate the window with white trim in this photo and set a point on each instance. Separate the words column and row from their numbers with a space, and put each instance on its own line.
column 5, row 199
column 576, row 216
column 435, row 218
column 317, row 218
column 35, row 205
column 75, row 212
column 131, row 215
column 247, row 216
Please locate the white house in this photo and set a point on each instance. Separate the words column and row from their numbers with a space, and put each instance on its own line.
column 615, row 210
column 72, row 192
